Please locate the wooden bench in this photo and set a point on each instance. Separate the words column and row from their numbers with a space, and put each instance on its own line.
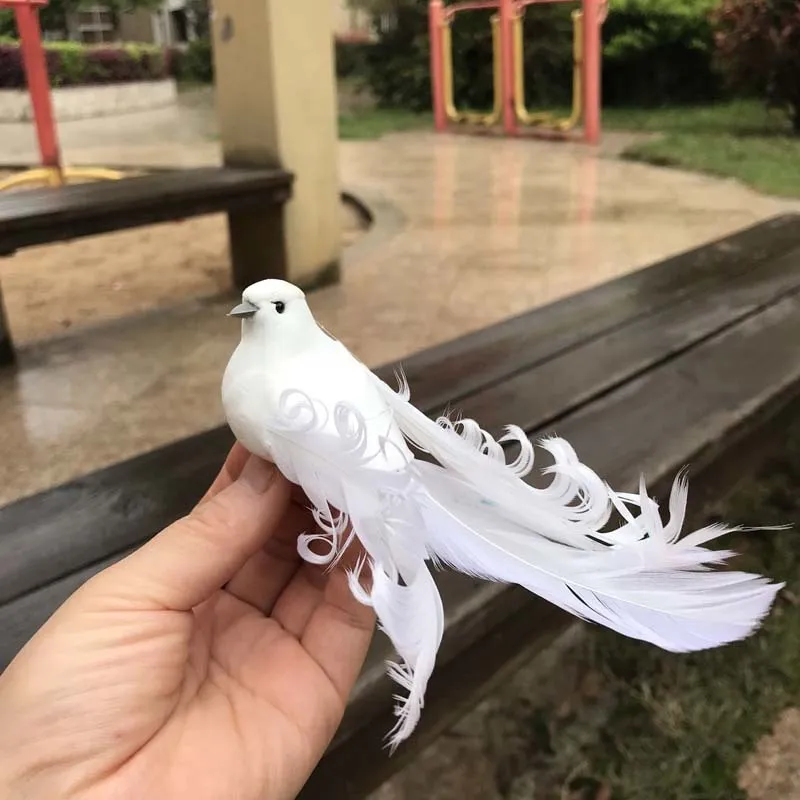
column 693, row 360
column 44, row 216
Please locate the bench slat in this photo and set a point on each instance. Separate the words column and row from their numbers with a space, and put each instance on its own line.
column 465, row 365
column 673, row 415
column 76, row 525
column 540, row 396
column 42, row 216
column 86, row 520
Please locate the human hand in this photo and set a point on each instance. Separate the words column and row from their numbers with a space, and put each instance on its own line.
column 210, row 663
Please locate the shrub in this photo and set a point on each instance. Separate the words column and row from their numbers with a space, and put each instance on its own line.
column 758, row 51
column 654, row 52
column 196, row 63
column 659, row 52
column 12, row 75
column 176, row 62
column 397, row 68
column 8, row 27
column 72, row 64
column 351, row 57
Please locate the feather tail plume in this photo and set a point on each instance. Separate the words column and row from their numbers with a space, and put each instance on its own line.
column 641, row 578
column 650, row 589
column 575, row 500
column 412, row 616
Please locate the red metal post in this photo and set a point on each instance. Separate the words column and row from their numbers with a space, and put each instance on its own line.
column 507, row 11
column 435, row 23
column 469, row 5
column 38, row 83
column 591, row 71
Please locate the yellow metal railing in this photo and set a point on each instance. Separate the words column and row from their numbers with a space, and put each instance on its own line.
column 51, row 176
column 544, row 118
column 472, row 117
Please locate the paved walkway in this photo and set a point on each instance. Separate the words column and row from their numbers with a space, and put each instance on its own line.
column 470, row 231
column 179, row 135
column 772, row 772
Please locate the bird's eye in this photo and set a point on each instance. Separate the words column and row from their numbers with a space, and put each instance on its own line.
column 280, row 306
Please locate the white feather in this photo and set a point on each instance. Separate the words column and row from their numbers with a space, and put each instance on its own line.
column 650, row 589
column 413, row 618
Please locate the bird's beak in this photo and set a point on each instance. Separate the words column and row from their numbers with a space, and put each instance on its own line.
column 244, row 310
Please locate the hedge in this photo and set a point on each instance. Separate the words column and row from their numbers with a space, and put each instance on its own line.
column 351, row 57
column 195, row 63
column 73, row 64
column 660, row 52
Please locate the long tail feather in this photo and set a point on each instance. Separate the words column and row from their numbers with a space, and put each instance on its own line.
column 404, row 596
column 412, row 616
column 576, row 499
column 653, row 589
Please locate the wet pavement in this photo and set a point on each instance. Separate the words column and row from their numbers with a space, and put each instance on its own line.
column 772, row 771
column 468, row 231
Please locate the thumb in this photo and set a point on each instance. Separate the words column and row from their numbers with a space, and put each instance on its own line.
column 191, row 559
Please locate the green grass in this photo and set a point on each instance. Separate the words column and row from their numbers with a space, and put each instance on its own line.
column 673, row 726
column 734, row 140
column 771, row 166
column 737, row 118
column 374, row 123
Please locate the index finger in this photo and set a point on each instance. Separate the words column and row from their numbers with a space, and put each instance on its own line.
column 231, row 470
column 188, row 561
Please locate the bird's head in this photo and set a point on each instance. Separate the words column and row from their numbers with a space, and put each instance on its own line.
column 276, row 310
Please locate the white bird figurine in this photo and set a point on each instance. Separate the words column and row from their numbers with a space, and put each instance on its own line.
column 295, row 396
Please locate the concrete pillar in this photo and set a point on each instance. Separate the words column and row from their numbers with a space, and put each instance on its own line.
column 276, row 101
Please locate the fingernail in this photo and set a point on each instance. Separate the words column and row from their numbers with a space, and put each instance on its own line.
column 257, row 474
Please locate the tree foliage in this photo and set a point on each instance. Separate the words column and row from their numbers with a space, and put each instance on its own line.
column 758, row 50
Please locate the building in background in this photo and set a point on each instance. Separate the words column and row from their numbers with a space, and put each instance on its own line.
column 173, row 24
column 351, row 24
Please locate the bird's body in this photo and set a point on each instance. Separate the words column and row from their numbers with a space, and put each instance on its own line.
column 298, row 397
column 326, row 371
